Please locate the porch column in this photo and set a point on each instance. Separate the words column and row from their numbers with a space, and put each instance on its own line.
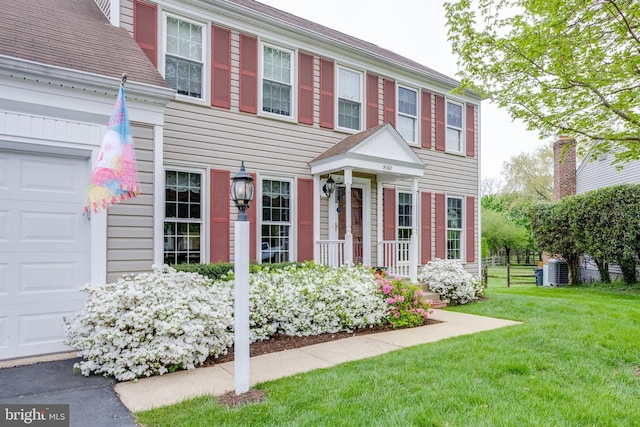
column 316, row 218
column 379, row 224
column 413, row 250
column 348, row 236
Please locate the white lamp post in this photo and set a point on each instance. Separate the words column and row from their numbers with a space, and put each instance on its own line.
column 242, row 195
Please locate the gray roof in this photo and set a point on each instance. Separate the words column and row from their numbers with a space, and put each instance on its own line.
column 72, row 34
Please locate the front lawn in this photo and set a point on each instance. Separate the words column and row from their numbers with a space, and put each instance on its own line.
column 575, row 361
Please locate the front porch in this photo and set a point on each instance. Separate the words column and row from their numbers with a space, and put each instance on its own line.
column 370, row 170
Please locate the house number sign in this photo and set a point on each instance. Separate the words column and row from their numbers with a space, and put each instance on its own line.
column 387, row 167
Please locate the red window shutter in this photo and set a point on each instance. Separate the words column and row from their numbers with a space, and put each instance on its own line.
column 305, row 219
column 326, row 93
column 425, row 209
column 305, row 88
column 372, row 101
column 389, row 93
column 221, row 67
column 440, row 123
column 248, row 74
column 220, row 237
column 471, row 235
column 145, row 29
column 441, row 227
column 471, row 131
column 389, row 213
column 426, row 120
column 251, row 216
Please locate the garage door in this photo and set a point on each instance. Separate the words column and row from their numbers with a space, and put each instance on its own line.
column 44, row 249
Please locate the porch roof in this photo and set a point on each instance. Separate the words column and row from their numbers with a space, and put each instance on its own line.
column 379, row 150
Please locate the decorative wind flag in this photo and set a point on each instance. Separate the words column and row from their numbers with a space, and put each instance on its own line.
column 114, row 177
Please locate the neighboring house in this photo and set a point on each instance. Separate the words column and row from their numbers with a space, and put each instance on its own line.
column 590, row 175
column 299, row 103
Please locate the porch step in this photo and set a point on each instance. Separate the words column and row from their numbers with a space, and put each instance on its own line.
column 433, row 296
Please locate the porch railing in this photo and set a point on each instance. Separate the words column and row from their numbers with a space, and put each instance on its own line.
column 331, row 252
column 395, row 255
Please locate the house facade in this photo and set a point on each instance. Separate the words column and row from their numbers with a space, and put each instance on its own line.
column 211, row 84
column 300, row 103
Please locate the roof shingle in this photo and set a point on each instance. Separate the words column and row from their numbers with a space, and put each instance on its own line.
column 72, row 34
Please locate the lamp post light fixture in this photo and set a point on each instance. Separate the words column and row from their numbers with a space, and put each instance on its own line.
column 329, row 187
column 242, row 191
column 242, row 195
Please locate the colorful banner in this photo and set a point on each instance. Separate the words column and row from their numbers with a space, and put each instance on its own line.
column 114, row 177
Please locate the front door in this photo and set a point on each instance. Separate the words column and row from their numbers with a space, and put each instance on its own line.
column 356, row 219
column 360, row 218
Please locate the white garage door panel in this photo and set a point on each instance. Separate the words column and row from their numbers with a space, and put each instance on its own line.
column 44, row 249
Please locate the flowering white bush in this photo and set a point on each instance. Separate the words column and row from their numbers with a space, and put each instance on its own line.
column 311, row 300
column 449, row 279
column 144, row 325
column 150, row 323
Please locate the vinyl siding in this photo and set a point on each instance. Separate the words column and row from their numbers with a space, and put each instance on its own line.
column 592, row 175
column 130, row 224
column 215, row 138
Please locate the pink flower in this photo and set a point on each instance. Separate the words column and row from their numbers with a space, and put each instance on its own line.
column 386, row 289
column 400, row 298
column 396, row 314
column 391, row 300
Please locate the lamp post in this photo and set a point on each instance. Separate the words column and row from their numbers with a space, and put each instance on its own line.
column 242, row 195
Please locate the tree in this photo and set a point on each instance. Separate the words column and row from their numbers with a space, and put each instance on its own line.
column 531, row 174
column 552, row 232
column 562, row 66
column 501, row 233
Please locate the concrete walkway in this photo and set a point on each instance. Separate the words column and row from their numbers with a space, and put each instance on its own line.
column 172, row 388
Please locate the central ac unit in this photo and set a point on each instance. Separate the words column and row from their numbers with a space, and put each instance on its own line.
column 558, row 272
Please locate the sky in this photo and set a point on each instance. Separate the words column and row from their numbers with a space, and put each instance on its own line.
column 416, row 30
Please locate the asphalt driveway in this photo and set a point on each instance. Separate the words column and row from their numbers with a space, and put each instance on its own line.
column 91, row 400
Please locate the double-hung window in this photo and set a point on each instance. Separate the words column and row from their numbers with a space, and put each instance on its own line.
column 276, row 220
column 407, row 113
column 405, row 208
column 183, row 60
column 277, row 81
column 349, row 99
column 454, row 127
column 454, row 228
column 183, row 217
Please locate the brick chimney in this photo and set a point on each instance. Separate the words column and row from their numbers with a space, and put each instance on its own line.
column 564, row 167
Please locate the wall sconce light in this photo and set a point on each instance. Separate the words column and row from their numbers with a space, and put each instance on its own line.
column 329, row 187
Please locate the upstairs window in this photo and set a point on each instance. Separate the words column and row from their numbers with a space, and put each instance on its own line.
column 277, row 73
column 407, row 113
column 454, row 127
column 349, row 99
column 183, row 65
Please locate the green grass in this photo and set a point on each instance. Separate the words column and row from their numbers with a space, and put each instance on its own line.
column 575, row 361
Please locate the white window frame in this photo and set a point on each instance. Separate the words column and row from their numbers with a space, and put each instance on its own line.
column 293, row 83
column 203, row 220
column 398, row 226
column 293, row 214
column 416, row 128
column 448, row 126
column 360, row 101
column 206, row 37
column 461, row 230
